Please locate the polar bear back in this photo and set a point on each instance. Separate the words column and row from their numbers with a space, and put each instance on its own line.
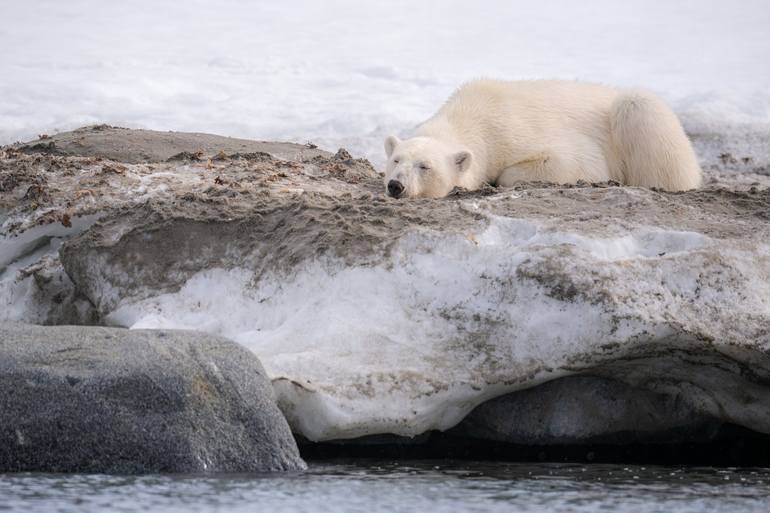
column 588, row 131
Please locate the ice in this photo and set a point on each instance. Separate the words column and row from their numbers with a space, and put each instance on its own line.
column 15, row 247
column 413, row 343
column 20, row 297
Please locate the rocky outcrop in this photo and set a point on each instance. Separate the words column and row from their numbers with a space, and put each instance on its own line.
column 87, row 399
column 373, row 315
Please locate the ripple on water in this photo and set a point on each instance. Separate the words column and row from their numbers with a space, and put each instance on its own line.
column 384, row 486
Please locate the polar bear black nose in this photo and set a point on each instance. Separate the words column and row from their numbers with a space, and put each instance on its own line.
column 395, row 188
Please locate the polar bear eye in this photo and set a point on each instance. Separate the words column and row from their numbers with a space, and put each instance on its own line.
column 396, row 161
column 424, row 167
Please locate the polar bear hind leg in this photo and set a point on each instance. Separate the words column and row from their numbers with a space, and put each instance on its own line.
column 651, row 144
column 542, row 167
column 583, row 160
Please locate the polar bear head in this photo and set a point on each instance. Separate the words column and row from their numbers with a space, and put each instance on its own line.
column 423, row 167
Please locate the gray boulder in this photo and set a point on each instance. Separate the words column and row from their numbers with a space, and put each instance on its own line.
column 89, row 399
column 584, row 410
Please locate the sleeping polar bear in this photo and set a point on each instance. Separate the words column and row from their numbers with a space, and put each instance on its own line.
column 499, row 132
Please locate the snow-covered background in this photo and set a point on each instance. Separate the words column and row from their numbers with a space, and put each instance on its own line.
column 347, row 72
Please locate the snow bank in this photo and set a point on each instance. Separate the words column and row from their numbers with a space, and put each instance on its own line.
column 417, row 341
column 373, row 315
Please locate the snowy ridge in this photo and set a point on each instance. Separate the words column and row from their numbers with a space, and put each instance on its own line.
column 373, row 315
column 440, row 326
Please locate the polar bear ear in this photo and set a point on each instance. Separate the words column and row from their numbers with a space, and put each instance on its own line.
column 463, row 160
column 390, row 144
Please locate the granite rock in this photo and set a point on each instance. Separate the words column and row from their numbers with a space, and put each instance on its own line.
column 105, row 400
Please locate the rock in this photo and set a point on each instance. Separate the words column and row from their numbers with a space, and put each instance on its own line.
column 585, row 410
column 376, row 316
column 78, row 399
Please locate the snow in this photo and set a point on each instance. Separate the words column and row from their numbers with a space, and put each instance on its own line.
column 346, row 73
column 15, row 248
column 18, row 291
column 417, row 341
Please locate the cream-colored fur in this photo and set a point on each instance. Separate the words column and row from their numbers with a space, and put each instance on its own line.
column 549, row 130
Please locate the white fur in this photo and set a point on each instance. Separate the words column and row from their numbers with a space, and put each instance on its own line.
column 556, row 131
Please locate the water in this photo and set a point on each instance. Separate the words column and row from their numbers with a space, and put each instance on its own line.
column 429, row 486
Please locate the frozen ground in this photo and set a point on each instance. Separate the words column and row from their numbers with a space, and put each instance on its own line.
column 375, row 316
column 346, row 73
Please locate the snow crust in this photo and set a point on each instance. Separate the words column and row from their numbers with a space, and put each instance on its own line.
column 347, row 73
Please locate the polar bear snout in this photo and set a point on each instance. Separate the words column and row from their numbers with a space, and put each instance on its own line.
column 395, row 188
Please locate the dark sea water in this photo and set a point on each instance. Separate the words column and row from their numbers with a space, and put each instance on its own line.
column 416, row 486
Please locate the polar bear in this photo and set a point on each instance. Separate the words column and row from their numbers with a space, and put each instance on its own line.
column 502, row 132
